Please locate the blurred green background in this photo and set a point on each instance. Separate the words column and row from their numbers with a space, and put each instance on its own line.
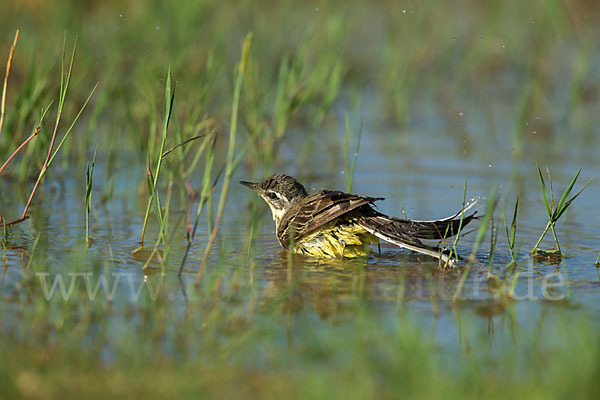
column 443, row 89
column 506, row 62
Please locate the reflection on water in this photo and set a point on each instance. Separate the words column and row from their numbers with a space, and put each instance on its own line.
column 257, row 276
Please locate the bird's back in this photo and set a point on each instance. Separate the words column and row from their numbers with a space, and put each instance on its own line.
column 315, row 212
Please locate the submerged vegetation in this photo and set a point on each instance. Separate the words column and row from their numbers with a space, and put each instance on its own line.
column 145, row 273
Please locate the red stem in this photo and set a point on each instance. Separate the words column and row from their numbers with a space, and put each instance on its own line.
column 16, row 221
column 43, row 170
column 34, row 134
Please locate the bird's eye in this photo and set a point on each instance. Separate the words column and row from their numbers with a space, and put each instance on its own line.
column 272, row 195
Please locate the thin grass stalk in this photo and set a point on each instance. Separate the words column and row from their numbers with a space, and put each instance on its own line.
column 535, row 247
column 553, row 229
column 165, row 223
column 230, row 154
column 166, row 153
column 493, row 241
column 254, row 208
column 153, row 183
column 207, row 126
column 4, row 239
column 88, row 195
column 480, row 235
column 8, row 65
column 351, row 166
column 347, row 146
column 32, row 251
column 163, row 233
column 511, row 235
column 205, row 195
column 169, row 99
column 460, row 223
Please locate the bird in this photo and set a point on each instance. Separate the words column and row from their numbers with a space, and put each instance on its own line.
column 334, row 224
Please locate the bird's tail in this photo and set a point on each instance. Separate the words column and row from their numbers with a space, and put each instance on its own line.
column 407, row 233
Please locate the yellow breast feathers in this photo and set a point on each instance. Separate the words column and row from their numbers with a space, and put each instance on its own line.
column 338, row 238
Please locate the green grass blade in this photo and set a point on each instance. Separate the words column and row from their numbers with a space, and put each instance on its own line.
column 66, row 135
column 169, row 99
column 544, row 191
column 568, row 203
column 513, row 226
column 565, row 196
column 350, row 175
column 462, row 217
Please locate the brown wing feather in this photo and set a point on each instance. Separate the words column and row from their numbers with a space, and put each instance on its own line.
column 318, row 210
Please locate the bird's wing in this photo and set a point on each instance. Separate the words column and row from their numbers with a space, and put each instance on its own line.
column 318, row 210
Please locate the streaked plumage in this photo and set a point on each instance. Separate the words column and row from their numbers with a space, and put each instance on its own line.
column 338, row 224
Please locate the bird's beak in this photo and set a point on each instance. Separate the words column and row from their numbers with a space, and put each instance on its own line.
column 251, row 185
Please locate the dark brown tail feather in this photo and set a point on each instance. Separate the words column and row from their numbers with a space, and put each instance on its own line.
column 405, row 229
column 406, row 233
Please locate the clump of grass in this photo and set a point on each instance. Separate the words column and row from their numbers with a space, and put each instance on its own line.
column 502, row 290
column 555, row 212
column 152, row 177
column 65, row 79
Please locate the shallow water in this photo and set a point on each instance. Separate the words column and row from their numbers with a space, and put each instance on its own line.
column 425, row 178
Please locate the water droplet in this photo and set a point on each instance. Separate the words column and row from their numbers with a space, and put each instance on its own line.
column 403, row 11
column 120, row 15
column 503, row 46
column 460, row 114
column 489, row 165
column 537, row 117
column 157, row 27
column 453, row 37
column 481, row 38
column 317, row 9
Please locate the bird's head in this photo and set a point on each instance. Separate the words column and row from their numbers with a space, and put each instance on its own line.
column 280, row 192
